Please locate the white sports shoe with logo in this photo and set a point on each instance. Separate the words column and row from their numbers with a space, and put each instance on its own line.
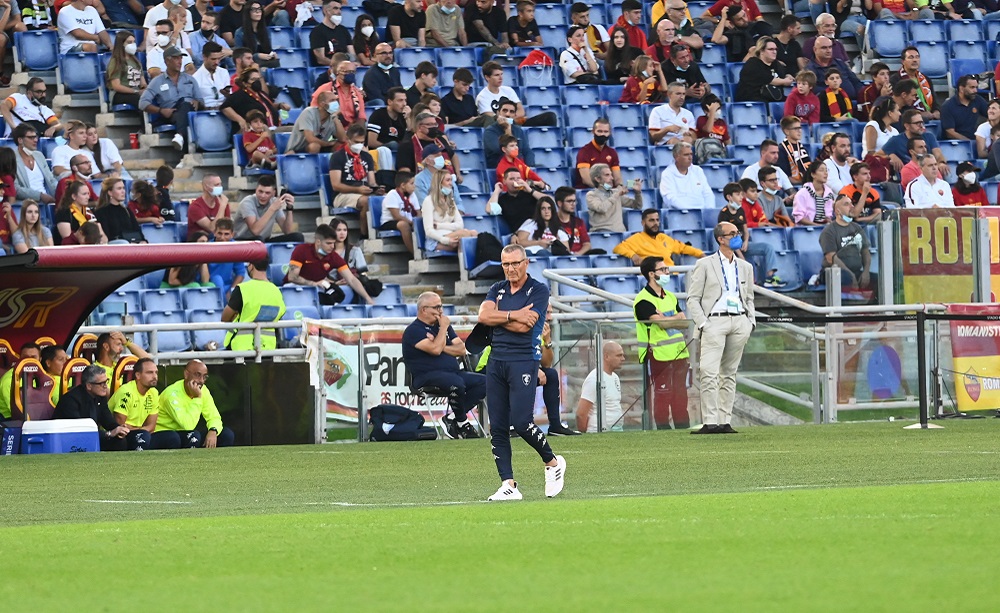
column 506, row 492
column 554, row 477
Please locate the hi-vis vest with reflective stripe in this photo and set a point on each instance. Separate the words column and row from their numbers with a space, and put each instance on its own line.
column 262, row 302
column 667, row 344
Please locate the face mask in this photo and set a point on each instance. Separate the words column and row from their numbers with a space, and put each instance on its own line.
column 131, row 48
column 770, row 192
column 446, row 191
column 847, row 218
column 508, row 120
column 257, row 87
column 336, row 19
column 367, row 31
column 434, row 133
column 733, row 206
column 384, row 66
column 208, row 34
column 629, row 22
column 606, row 186
column 175, row 2
column 663, row 281
column 217, row 191
column 321, row 252
column 357, row 147
column 969, row 177
column 645, row 74
column 601, row 140
column 439, row 162
column 736, row 242
column 349, row 78
column 61, row 141
column 333, row 108
column 513, row 152
column 447, row 11
column 163, row 40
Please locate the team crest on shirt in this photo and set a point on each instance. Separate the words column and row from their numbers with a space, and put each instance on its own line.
column 526, row 379
column 940, row 192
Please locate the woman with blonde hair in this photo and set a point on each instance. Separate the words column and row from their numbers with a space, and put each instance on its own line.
column 441, row 218
column 31, row 232
column 117, row 221
column 646, row 84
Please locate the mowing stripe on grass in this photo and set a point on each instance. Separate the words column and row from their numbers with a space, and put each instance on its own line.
column 140, row 501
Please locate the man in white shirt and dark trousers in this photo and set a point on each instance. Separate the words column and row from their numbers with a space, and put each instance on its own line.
column 212, row 79
column 671, row 123
column 683, row 184
column 839, row 162
column 721, row 303
column 578, row 62
column 610, row 399
column 929, row 190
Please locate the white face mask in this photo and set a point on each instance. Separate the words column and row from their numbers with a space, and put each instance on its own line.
column 336, row 19
column 162, row 40
column 367, row 31
column 771, row 192
column 508, row 120
column 357, row 147
column 663, row 281
column 131, row 48
column 733, row 205
column 969, row 177
column 217, row 191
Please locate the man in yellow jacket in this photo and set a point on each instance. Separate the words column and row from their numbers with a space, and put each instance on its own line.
column 135, row 405
column 652, row 242
column 182, row 405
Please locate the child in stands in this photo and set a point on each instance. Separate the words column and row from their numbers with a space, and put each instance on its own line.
column 258, row 142
column 834, row 105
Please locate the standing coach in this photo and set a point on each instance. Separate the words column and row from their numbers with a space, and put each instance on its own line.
column 515, row 308
column 720, row 301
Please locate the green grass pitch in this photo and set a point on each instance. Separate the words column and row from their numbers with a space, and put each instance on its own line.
column 850, row 517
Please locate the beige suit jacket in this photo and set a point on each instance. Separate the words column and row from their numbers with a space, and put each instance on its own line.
column 705, row 286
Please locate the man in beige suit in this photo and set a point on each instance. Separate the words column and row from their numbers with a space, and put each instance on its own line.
column 720, row 301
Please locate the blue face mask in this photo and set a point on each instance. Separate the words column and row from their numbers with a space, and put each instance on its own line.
column 847, row 218
column 384, row 66
column 447, row 11
column 321, row 252
column 446, row 191
column 736, row 242
column 439, row 162
column 349, row 78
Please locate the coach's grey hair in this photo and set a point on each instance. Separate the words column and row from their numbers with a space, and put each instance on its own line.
column 680, row 148
column 423, row 298
column 595, row 172
column 513, row 248
column 91, row 373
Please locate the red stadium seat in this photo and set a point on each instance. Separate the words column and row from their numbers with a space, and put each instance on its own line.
column 31, row 399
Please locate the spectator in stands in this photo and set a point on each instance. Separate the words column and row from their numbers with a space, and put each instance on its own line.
column 913, row 126
column 212, row 78
column 768, row 159
column 164, row 179
column 834, row 104
column 772, row 198
column 845, row 245
column 87, row 234
column 517, row 200
column 317, row 129
column 399, row 207
column 89, row 401
column 666, row 33
column 762, row 76
column 426, row 133
column 752, row 208
column 81, row 29
column 111, row 346
column 124, row 76
column 595, row 34
column 355, row 258
column 458, row 108
column 789, row 49
column 489, row 98
column 879, row 87
column 258, row 213
column 254, row 36
column 160, row 11
column 813, row 204
column 577, row 61
column 211, row 205
column 434, row 162
column 351, row 99
column 117, row 221
column 671, row 123
column 802, row 104
column 712, row 124
column 542, row 234
column 171, row 96
column 597, row 151
column 620, row 57
column 426, row 74
column 681, row 68
column 312, row 265
column 76, row 144
column 106, row 154
column 443, row 226
column 486, row 23
column 839, row 162
column 900, row 9
column 647, row 83
column 366, row 41
column 926, row 101
column 179, row 16
column 651, row 242
column 826, row 26
column 522, row 29
column 738, row 33
column 381, row 77
column 8, row 223
column 258, row 142
column 30, row 108
column 866, row 203
column 880, row 129
column 31, row 232
column 505, row 125
column 352, row 174
column 571, row 224
column 387, row 126
column 226, row 275
column 445, row 25
column 967, row 191
column 330, row 37
column 683, row 185
column 629, row 22
column 74, row 209
column 735, row 214
column 207, row 34
column 33, row 179
column 916, row 146
column 183, row 404
column 242, row 59
column 251, row 97
column 511, row 159
column 986, row 130
column 793, row 157
column 605, row 202
column 156, row 62
column 825, row 62
column 81, row 170
column 928, row 190
column 407, row 25
column 144, row 205
column 904, row 92
column 962, row 113
column 192, row 276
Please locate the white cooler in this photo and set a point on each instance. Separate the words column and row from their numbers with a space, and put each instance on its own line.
column 59, row 436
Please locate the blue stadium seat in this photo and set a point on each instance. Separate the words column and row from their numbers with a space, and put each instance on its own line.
column 81, row 72
column 629, row 137
column 777, row 112
column 733, row 69
column 465, row 138
column 888, row 38
column 805, row 240
column 131, row 299
column 710, row 216
column 475, row 181
column 606, row 240
column 293, row 77
column 744, row 154
column 161, row 300
column 281, row 140
column 928, row 30
column 789, row 270
column 472, row 159
column 349, row 15
column 135, row 284
column 276, row 273
column 421, row 239
column 409, row 57
column 300, row 296
column 715, row 74
column 625, row 116
column 392, row 293
column 176, row 340
column 300, row 173
column 37, row 49
column 965, row 29
column 847, row 127
column 712, row 54
column 749, row 134
column 933, row 58
column 611, row 260
column 583, row 116
column 202, row 338
column 579, row 136
column 956, row 151
column 551, row 14
column 388, row 310
column 281, row 253
column 482, row 223
column 554, row 35
column 720, row 174
column 960, row 68
column 633, row 156
column 661, row 157
column 544, row 138
column 167, row 233
column 346, row 311
column 375, row 219
column 458, row 57
column 210, row 298
column 610, row 93
column 633, row 220
column 584, row 94
column 544, row 96
column 549, row 158
column 293, row 58
column 210, row 131
column 153, row 279
column 298, row 313
column 626, row 287
column 770, row 236
column 969, row 50
column 474, row 204
column 696, row 238
column 537, row 265
column 681, row 219
column 555, row 177
column 467, row 258
column 282, row 38
column 746, row 113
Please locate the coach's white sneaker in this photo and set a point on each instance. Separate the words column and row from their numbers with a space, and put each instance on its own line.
column 554, row 477
column 506, row 492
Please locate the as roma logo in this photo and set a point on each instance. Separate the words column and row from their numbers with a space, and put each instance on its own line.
column 972, row 385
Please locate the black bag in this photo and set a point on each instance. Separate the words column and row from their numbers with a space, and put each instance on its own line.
column 772, row 93
column 488, row 250
column 372, row 286
column 391, row 422
column 332, row 295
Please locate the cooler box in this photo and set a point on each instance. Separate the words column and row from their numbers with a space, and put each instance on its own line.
column 59, row 436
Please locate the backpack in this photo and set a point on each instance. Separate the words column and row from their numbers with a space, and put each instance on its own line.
column 488, row 249
column 708, row 148
column 391, row 422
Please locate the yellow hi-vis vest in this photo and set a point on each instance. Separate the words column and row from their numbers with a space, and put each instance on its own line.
column 262, row 302
column 667, row 344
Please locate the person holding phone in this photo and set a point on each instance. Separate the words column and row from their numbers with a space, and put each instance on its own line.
column 258, row 214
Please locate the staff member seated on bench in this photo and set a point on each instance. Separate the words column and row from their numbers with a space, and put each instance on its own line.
column 135, row 405
column 89, row 401
column 182, row 405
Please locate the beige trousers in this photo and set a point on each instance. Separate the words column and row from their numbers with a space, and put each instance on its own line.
column 722, row 342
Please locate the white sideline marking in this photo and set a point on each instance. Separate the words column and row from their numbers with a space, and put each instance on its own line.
column 392, row 504
column 320, row 452
column 959, row 451
column 139, row 501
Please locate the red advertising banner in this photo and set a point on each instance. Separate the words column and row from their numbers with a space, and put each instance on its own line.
column 975, row 349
